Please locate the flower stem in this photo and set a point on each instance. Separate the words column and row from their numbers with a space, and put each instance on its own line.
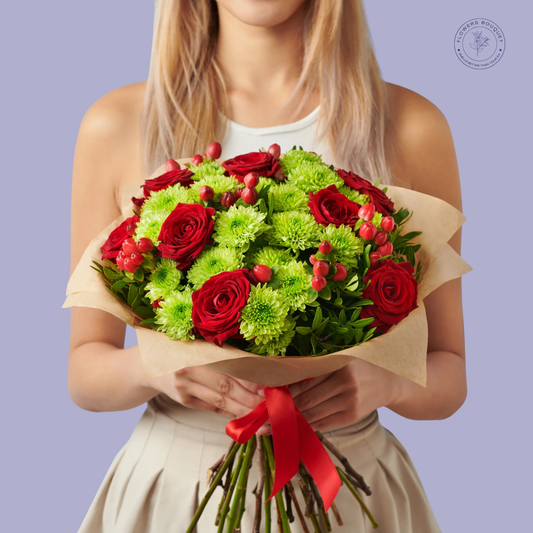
column 357, row 497
column 268, row 504
column 233, row 482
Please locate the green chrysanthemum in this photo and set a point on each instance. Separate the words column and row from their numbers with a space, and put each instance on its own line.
column 163, row 280
column 295, row 230
column 156, row 209
column 263, row 316
column 278, row 345
column 271, row 256
column 219, row 183
column 213, row 262
column 295, row 283
column 294, row 158
column 238, row 226
column 354, row 196
column 150, row 226
column 314, row 177
column 348, row 244
column 265, row 181
column 287, row 197
column 207, row 168
column 175, row 315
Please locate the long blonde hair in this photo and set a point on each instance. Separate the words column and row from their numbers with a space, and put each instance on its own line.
column 186, row 92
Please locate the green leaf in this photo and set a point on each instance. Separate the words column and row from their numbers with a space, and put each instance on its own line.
column 139, row 275
column 149, row 322
column 363, row 322
column 132, row 294
column 369, row 334
column 355, row 315
column 318, row 318
column 314, row 344
column 313, row 295
column 274, row 283
column 144, row 312
column 303, row 330
column 322, row 327
column 325, row 293
column 119, row 285
column 342, row 317
column 337, row 302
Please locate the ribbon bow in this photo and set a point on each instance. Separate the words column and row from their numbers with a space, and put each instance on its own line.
column 294, row 440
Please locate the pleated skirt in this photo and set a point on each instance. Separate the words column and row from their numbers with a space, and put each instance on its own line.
column 158, row 478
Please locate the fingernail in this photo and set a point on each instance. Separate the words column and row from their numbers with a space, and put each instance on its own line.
column 261, row 392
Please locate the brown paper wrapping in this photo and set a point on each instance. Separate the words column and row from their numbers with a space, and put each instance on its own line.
column 402, row 350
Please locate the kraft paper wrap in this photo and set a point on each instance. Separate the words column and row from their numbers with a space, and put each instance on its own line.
column 402, row 350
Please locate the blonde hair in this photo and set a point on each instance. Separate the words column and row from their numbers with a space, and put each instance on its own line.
column 186, row 93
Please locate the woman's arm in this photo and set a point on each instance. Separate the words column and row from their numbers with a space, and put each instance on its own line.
column 424, row 159
column 102, row 375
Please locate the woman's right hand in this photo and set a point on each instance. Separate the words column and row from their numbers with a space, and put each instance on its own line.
column 204, row 388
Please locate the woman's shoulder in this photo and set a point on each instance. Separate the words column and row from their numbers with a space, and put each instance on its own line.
column 421, row 152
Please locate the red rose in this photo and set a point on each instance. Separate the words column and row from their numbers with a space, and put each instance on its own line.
column 216, row 306
column 394, row 291
column 185, row 232
column 263, row 163
column 112, row 246
column 181, row 176
column 329, row 206
column 383, row 203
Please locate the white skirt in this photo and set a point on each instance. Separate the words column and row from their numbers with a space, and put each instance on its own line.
column 157, row 479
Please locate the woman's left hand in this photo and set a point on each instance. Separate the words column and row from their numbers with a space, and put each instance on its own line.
column 344, row 396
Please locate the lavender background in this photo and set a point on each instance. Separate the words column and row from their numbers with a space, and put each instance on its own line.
column 59, row 57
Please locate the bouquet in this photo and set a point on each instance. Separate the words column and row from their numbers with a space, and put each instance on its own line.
column 273, row 268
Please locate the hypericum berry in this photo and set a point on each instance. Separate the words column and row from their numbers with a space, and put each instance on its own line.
column 251, row 179
column 387, row 223
column 275, row 150
column 249, row 195
column 145, row 245
column 368, row 231
column 374, row 256
column 206, row 193
column 380, row 238
column 196, row 160
column 366, row 212
column 228, row 199
column 120, row 261
column 318, row 283
column 321, row 268
column 238, row 192
column 325, row 247
column 385, row 249
column 171, row 164
column 313, row 259
column 130, row 229
column 341, row 273
column 137, row 258
column 263, row 273
column 129, row 246
column 129, row 265
column 214, row 150
column 278, row 174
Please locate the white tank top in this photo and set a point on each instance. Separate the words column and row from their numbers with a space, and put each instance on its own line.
column 240, row 139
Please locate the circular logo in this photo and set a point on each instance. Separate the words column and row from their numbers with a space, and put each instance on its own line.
column 479, row 43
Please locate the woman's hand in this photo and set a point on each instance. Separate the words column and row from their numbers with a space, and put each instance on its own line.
column 203, row 388
column 344, row 396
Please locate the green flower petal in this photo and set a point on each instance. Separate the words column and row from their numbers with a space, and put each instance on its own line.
column 349, row 245
column 354, row 196
column 278, row 345
column 295, row 284
column 271, row 256
column 207, row 168
column 313, row 177
column 175, row 315
column 295, row 230
column 287, row 197
column 163, row 280
column 294, row 158
column 212, row 262
column 219, row 183
column 238, row 226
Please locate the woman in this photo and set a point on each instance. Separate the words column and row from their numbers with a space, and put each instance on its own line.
column 280, row 71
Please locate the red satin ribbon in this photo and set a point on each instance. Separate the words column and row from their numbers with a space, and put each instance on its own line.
column 294, row 439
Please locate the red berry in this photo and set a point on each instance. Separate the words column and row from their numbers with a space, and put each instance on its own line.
column 380, row 238
column 137, row 258
column 196, row 160
column 238, row 192
column 228, row 199
column 129, row 246
column 388, row 224
column 318, row 283
column 263, row 273
column 251, row 179
column 145, row 245
column 374, row 256
column 321, row 268
column 155, row 304
column 278, row 174
column 341, row 273
column 325, row 247
column 366, row 212
column 171, row 164
column 313, row 259
column 120, row 261
column 130, row 229
column 249, row 195
column 130, row 266
column 385, row 249
column 275, row 150
column 206, row 193
column 368, row 231
column 214, row 150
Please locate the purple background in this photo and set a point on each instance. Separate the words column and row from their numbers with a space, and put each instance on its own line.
column 59, row 57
